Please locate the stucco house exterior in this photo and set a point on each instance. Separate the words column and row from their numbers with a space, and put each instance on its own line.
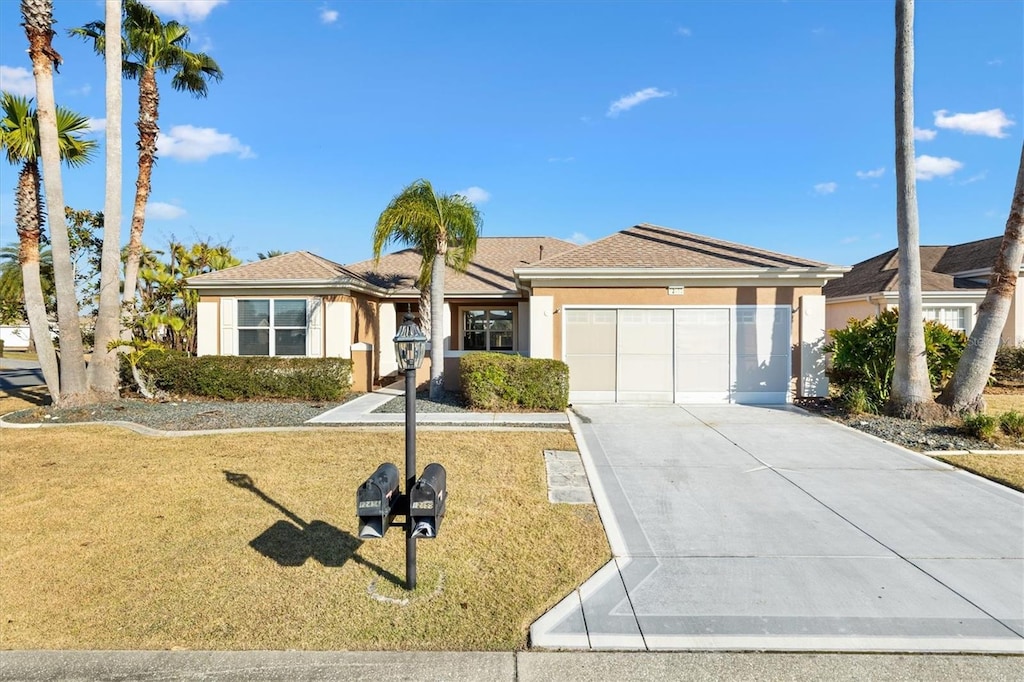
column 954, row 280
column 648, row 314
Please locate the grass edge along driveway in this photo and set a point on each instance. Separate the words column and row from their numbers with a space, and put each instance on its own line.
column 109, row 540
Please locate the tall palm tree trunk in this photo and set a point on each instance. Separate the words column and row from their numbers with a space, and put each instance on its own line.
column 425, row 308
column 103, row 368
column 911, row 395
column 436, row 323
column 964, row 391
column 30, row 221
column 148, row 126
column 38, row 15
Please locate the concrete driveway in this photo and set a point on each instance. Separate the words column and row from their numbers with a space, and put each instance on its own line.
column 767, row 528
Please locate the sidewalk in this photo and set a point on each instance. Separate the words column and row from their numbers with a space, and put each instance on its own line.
column 386, row 666
column 360, row 412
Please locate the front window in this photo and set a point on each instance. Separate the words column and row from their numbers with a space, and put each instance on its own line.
column 488, row 329
column 954, row 318
column 272, row 327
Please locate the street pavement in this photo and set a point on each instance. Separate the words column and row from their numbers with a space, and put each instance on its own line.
column 752, row 528
column 16, row 375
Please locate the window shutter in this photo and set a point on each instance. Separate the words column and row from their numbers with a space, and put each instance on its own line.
column 228, row 332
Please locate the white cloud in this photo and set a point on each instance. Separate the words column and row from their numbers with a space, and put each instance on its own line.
column 579, row 238
column 629, row 101
column 475, row 195
column 328, row 16
column 684, row 31
column 561, row 159
column 184, row 10
column 995, row 62
column 989, row 123
column 867, row 175
column 925, row 134
column 826, row 187
column 98, row 126
column 157, row 210
column 929, row 167
column 188, row 143
column 84, row 90
column 17, row 80
column 849, row 240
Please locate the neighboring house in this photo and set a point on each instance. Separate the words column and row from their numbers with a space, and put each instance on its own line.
column 954, row 280
column 648, row 314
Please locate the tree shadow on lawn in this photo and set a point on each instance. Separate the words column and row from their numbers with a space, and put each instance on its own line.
column 293, row 542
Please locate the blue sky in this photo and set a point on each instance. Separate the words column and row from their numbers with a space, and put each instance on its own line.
column 768, row 122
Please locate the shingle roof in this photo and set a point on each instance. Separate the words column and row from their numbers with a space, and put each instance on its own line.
column 651, row 246
column 939, row 267
column 297, row 265
column 489, row 273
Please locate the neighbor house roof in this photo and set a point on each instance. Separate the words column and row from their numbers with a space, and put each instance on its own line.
column 490, row 273
column 941, row 267
column 651, row 246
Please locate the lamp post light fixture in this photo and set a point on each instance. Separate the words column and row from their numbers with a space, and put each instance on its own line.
column 410, row 347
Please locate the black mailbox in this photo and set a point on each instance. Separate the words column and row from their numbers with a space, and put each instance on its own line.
column 427, row 501
column 376, row 501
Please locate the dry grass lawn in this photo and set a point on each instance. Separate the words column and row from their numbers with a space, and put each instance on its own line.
column 111, row 540
column 1005, row 469
column 998, row 403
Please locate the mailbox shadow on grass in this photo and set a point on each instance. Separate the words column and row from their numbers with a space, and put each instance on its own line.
column 295, row 541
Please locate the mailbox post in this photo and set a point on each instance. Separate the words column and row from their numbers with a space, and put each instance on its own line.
column 410, row 347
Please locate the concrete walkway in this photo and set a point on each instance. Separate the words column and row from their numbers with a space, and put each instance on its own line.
column 360, row 412
column 752, row 528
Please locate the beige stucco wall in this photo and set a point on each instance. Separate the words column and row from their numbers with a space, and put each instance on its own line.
column 838, row 314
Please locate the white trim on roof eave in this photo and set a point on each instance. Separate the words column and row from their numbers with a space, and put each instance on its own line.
column 978, row 294
column 791, row 276
column 313, row 285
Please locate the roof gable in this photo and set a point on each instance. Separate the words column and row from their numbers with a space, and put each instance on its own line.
column 490, row 272
column 651, row 246
column 294, row 266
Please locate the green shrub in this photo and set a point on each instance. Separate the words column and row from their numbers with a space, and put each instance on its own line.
column 1009, row 365
column 982, row 426
column 864, row 358
column 241, row 378
column 496, row 381
column 856, row 401
column 1012, row 423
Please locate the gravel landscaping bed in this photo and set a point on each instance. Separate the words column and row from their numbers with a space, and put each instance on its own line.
column 183, row 415
column 448, row 402
column 919, row 436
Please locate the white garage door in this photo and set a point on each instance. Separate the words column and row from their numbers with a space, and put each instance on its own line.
column 686, row 355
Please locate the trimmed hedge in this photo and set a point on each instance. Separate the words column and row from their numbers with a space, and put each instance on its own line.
column 241, row 378
column 496, row 382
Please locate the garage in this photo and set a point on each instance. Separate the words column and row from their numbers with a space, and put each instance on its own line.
column 698, row 354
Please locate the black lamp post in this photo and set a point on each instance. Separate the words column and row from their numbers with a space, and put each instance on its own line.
column 410, row 347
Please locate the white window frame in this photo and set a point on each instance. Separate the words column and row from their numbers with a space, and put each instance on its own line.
column 512, row 309
column 936, row 312
column 272, row 328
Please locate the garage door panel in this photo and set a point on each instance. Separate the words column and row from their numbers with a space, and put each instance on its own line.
column 592, row 373
column 590, row 332
column 753, row 374
column 645, row 355
column 702, row 373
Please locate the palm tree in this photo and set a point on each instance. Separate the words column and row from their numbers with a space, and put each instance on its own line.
column 273, row 253
column 21, row 144
column 911, row 395
column 444, row 229
column 103, row 370
column 12, row 279
column 150, row 46
column 964, row 391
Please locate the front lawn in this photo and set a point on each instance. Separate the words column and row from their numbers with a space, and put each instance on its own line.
column 109, row 540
